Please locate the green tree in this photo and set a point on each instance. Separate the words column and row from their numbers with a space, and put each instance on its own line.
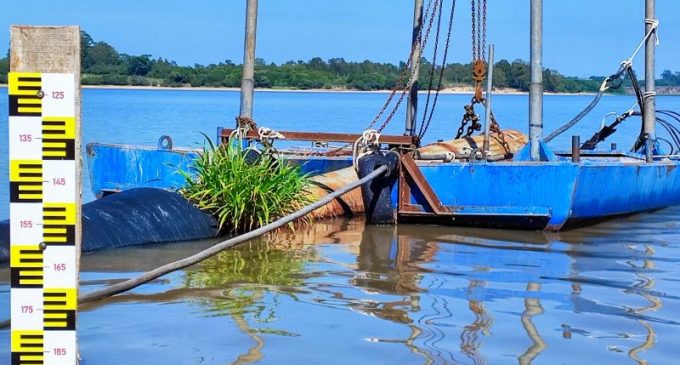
column 102, row 64
column 4, row 69
column 519, row 75
column 668, row 78
column 138, row 65
column 85, row 43
column 99, row 56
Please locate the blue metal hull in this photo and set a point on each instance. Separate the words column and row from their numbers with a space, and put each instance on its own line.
column 550, row 195
column 518, row 194
column 115, row 168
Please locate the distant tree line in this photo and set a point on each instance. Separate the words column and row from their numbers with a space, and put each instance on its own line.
column 102, row 64
column 4, row 68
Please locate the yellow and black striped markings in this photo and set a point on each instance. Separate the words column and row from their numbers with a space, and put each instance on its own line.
column 26, row 266
column 58, row 138
column 28, row 347
column 25, row 94
column 59, row 224
column 42, row 151
column 25, row 181
column 59, row 309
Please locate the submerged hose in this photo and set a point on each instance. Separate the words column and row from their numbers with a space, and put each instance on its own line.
column 213, row 250
column 191, row 260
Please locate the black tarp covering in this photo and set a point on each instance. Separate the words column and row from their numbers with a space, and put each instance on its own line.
column 135, row 217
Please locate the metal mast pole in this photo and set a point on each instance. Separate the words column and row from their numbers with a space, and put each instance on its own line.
column 536, row 86
column 412, row 107
column 248, row 80
column 489, row 87
column 649, row 102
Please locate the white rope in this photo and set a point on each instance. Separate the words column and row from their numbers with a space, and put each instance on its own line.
column 268, row 134
column 604, row 119
column 368, row 143
column 655, row 25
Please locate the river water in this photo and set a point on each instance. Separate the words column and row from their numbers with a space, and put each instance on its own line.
column 341, row 292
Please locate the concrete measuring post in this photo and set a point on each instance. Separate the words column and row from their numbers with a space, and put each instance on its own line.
column 45, row 193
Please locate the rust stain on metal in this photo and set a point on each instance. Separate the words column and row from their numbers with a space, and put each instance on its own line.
column 326, row 137
column 353, row 201
column 417, row 177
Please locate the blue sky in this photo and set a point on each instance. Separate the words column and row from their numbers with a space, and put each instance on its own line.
column 582, row 37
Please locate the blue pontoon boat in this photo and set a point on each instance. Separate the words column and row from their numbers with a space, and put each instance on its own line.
column 535, row 189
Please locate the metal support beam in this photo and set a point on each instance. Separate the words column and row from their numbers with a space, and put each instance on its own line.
column 649, row 108
column 536, row 86
column 224, row 133
column 576, row 149
column 411, row 172
column 248, row 80
column 489, row 87
column 412, row 107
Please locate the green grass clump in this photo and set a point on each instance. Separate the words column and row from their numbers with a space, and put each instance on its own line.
column 244, row 194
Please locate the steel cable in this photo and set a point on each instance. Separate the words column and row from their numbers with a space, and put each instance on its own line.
column 426, row 124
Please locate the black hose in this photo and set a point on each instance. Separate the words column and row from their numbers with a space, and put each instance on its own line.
column 672, row 130
column 213, row 250
column 576, row 119
column 191, row 260
column 593, row 103
column 669, row 144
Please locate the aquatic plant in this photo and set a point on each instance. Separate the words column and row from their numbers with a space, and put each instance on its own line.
column 242, row 191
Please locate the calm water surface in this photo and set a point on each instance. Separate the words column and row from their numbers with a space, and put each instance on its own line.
column 340, row 292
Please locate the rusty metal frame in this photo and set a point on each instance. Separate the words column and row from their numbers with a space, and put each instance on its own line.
column 224, row 133
column 410, row 174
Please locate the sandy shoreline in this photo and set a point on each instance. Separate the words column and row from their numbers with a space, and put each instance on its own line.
column 450, row 91
column 454, row 90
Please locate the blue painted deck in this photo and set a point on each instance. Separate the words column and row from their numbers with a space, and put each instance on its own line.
column 515, row 194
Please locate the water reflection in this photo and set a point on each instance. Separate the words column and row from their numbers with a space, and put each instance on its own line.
column 424, row 294
column 443, row 285
column 470, row 336
column 532, row 308
column 645, row 283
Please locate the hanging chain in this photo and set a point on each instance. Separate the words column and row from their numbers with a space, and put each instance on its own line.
column 407, row 68
column 420, row 44
column 496, row 128
column 474, row 32
column 402, row 74
column 484, row 31
column 469, row 117
column 425, row 125
column 433, row 68
column 478, row 46
column 479, row 28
